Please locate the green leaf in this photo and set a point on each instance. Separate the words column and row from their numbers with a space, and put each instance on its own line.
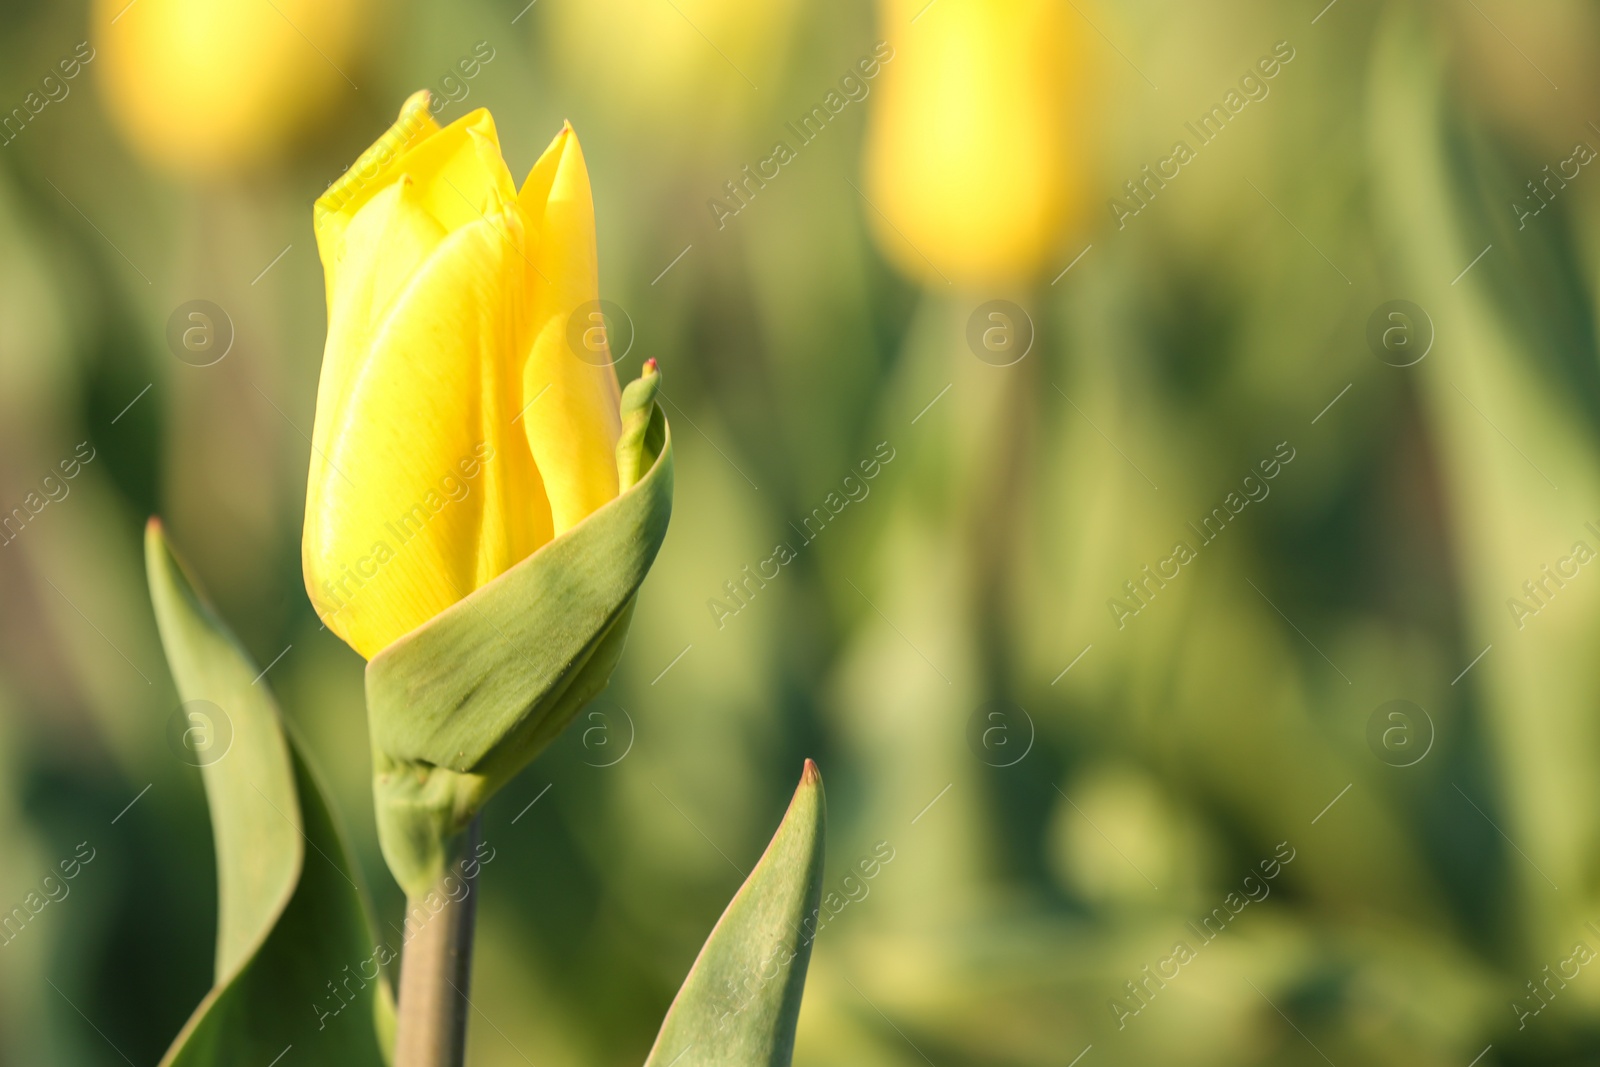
column 291, row 922
column 258, row 849
column 461, row 704
column 739, row 1004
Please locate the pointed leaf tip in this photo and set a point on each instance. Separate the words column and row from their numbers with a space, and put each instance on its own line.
column 739, row 1005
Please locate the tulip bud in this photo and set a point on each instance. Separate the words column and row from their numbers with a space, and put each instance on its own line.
column 202, row 87
column 970, row 144
column 482, row 506
column 456, row 430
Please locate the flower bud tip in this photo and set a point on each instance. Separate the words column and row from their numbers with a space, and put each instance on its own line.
column 810, row 775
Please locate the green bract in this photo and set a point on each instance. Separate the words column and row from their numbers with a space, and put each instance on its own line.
column 462, row 703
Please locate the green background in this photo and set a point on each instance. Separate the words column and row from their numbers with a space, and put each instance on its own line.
column 1170, row 761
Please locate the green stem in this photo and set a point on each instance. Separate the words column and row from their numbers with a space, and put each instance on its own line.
column 436, row 969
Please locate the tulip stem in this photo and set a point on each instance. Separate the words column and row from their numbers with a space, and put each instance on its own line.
column 436, row 969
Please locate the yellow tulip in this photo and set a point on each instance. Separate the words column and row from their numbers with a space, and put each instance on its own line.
column 456, row 429
column 969, row 147
column 649, row 64
column 202, row 87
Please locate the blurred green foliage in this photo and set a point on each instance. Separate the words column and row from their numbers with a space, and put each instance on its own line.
column 1172, row 758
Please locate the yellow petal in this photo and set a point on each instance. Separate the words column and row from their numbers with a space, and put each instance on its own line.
column 459, row 173
column 572, row 428
column 424, row 489
column 372, row 172
column 388, row 241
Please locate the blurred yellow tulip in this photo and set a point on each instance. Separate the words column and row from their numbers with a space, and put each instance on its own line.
column 649, row 64
column 970, row 144
column 205, row 87
column 457, row 430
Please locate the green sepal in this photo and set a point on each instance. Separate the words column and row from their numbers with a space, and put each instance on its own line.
column 457, row 707
column 286, row 927
column 739, row 1005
